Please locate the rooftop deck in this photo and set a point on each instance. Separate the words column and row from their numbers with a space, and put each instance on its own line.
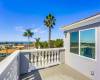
column 38, row 64
column 58, row 72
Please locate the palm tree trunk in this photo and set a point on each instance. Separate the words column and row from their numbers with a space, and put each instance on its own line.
column 49, row 42
column 6, row 52
column 28, row 43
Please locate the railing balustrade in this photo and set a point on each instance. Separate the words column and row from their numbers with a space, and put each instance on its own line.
column 41, row 58
column 24, row 61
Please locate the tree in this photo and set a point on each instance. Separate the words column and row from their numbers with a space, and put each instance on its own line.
column 52, row 43
column 49, row 22
column 28, row 33
column 44, row 44
column 37, row 43
column 59, row 43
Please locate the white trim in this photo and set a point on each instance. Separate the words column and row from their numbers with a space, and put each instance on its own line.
column 83, row 57
column 86, row 29
column 95, row 42
column 79, row 43
column 93, row 19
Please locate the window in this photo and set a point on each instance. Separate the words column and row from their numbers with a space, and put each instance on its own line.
column 74, row 42
column 87, row 43
column 83, row 43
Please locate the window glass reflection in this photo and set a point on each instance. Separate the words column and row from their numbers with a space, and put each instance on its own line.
column 74, row 42
column 87, row 43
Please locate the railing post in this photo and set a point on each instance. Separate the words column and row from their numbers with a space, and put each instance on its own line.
column 62, row 56
column 48, row 57
column 52, row 56
column 35, row 59
column 42, row 56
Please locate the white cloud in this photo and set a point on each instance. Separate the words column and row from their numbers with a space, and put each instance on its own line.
column 35, row 30
column 43, row 31
column 38, row 30
column 19, row 28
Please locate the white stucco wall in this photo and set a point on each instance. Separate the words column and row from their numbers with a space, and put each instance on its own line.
column 81, row 64
column 9, row 67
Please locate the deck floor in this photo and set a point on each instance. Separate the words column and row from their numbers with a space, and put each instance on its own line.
column 58, row 72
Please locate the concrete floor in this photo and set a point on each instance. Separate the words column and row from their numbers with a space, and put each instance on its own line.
column 58, row 72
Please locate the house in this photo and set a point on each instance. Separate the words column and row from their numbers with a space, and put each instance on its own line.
column 82, row 44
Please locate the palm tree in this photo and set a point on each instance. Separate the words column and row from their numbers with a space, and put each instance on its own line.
column 6, row 48
column 37, row 43
column 49, row 22
column 28, row 33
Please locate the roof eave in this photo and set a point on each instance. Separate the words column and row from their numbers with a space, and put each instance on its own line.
column 81, row 23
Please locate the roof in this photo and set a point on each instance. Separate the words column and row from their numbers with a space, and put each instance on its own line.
column 7, row 51
column 86, row 21
column 19, row 46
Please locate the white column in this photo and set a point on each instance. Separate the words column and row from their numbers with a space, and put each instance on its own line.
column 97, row 68
column 42, row 58
column 49, row 57
column 46, row 58
column 57, row 56
column 39, row 59
column 67, row 47
column 35, row 60
column 52, row 57
column 31, row 57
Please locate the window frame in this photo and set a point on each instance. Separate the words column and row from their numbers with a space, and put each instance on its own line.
column 95, row 43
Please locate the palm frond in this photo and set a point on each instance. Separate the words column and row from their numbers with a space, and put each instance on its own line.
column 49, row 21
column 28, row 33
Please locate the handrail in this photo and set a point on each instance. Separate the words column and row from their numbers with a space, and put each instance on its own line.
column 8, row 64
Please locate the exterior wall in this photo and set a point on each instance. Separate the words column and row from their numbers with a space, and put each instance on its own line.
column 82, row 64
column 9, row 67
column 97, row 69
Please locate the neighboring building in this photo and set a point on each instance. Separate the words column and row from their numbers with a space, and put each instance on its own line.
column 6, row 52
column 5, row 46
column 82, row 43
column 19, row 47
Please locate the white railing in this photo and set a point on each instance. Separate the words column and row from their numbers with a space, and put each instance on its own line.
column 9, row 67
column 41, row 58
column 24, row 61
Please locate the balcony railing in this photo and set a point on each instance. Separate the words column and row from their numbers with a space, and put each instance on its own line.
column 25, row 61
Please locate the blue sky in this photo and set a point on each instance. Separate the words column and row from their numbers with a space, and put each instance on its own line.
column 17, row 15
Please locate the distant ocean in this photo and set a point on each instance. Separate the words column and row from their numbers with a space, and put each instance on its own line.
column 22, row 42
